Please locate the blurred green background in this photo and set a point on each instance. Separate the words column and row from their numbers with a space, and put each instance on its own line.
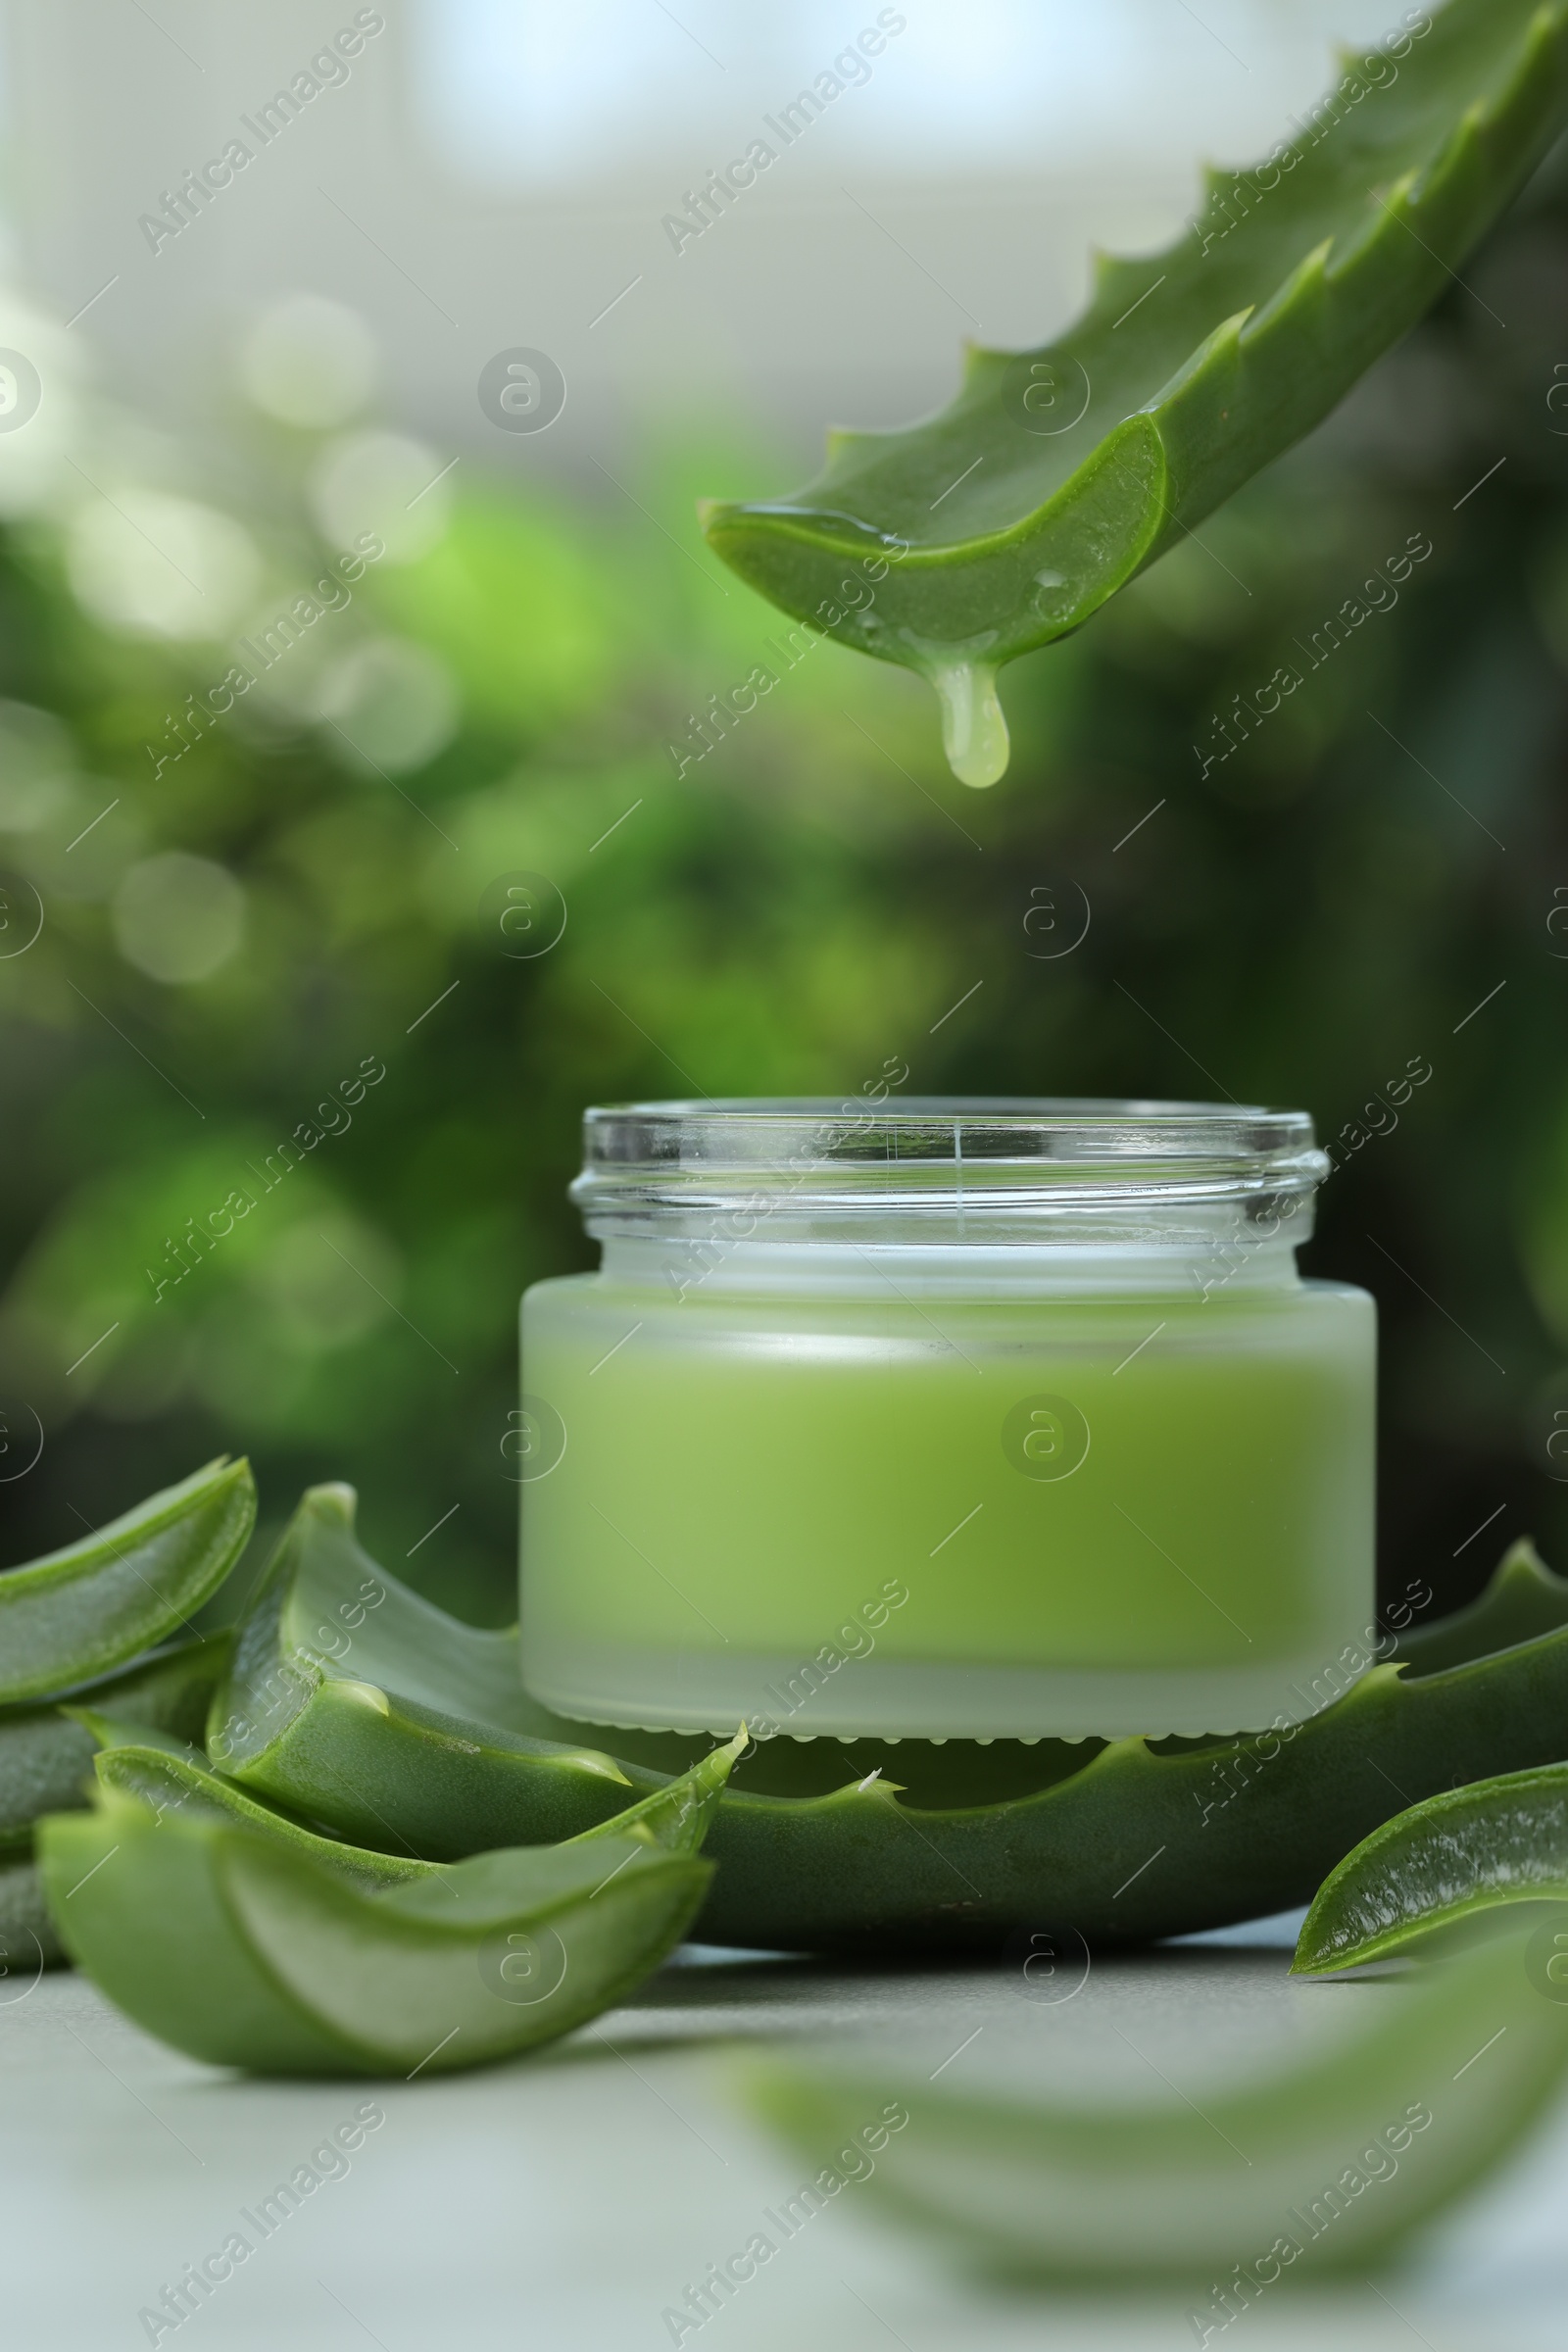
column 810, row 898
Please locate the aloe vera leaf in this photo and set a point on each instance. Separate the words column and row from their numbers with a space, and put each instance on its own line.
column 1330, row 2153
column 678, row 1816
column 352, row 1700
column 1452, row 1858
column 212, row 1936
column 46, row 1752
column 674, row 1819
column 164, row 1783
column 81, row 1611
column 1145, row 1840
column 1125, row 1843
column 114, row 1731
column 1522, row 1599
column 247, row 1941
column 1189, row 370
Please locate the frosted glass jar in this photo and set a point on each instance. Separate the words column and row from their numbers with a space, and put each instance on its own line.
column 958, row 1419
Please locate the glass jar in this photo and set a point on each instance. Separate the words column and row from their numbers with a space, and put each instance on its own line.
column 955, row 1419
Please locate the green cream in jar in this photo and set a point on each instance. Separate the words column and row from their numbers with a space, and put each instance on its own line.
column 961, row 1419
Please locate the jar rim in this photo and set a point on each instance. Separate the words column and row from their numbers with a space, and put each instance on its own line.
column 931, row 1153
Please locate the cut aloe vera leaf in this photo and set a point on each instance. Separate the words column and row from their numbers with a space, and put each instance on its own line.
column 247, row 1941
column 1522, row 1599
column 1059, row 474
column 673, row 1818
column 114, row 1731
column 1454, row 1858
column 875, row 1845
column 79, row 1613
column 164, row 1783
column 1144, row 1840
column 356, row 1702
column 678, row 1816
column 1339, row 2155
column 240, row 1952
column 46, row 1752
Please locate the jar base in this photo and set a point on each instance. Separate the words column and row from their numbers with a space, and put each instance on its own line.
column 883, row 1699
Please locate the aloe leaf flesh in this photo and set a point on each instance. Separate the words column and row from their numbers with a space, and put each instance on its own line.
column 1059, row 474
column 1326, row 2164
column 46, row 1752
column 1454, row 1858
column 83, row 1611
column 415, row 1737
column 247, row 1941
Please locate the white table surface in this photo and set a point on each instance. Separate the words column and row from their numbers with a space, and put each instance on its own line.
column 561, row 2204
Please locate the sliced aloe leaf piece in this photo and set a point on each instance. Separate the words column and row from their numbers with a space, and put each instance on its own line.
column 114, row 1731
column 354, row 1701
column 1450, row 1859
column 81, row 1611
column 1059, row 474
column 1325, row 2163
column 215, row 1938
column 46, row 1752
column 920, row 1845
column 164, row 1783
column 678, row 1816
column 674, row 1819
column 247, row 1941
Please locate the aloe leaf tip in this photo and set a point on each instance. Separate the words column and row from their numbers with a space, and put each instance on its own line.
column 1059, row 474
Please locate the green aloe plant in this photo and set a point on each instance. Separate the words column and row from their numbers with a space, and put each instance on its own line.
column 356, row 1703
column 46, row 1752
column 128, row 1586
column 1059, row 474
column 1456, row 1857
column 68, row 1624
column 248, row 1940
column 1325, row 2163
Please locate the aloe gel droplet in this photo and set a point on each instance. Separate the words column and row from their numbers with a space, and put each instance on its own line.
column 975, row 731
